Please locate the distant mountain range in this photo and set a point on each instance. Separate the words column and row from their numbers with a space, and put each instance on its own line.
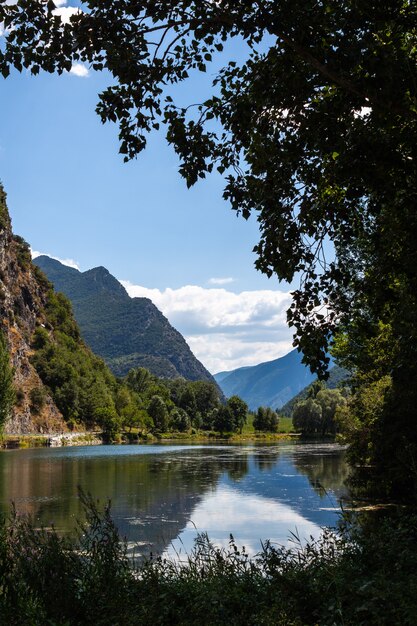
column 126, row 332
column 273, row 383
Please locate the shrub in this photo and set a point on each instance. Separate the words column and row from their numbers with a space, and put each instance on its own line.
column 19, row 396
column 24, row 257
column 37, row 397
column 7, row 390
column 266, row 420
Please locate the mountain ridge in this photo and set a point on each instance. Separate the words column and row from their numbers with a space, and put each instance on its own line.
column 126, row 332
column 271, row 383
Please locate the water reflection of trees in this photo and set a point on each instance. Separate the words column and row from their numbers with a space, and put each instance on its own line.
column 153, row 496
column 238, row 467
column 325, row 472
column 266, row 459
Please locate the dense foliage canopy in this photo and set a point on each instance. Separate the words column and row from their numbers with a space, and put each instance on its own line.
column 7, row 390
column 318, row 413
column 266, row 419
column 316, row 133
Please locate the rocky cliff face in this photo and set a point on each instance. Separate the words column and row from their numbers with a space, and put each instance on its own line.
column 23, row 296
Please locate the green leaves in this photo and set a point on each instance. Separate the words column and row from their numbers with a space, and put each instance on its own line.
column 7, row 390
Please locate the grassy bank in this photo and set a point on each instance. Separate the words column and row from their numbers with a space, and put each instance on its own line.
column 43, row 441
column 135, row 436
column 23, row 441
column 210, row 437
column 364, row 579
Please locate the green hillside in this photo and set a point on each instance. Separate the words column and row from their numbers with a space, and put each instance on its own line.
column 126, row 332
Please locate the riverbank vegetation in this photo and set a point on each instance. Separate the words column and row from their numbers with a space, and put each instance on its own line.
column 352, row 579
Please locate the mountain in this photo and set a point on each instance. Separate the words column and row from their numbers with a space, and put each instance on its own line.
column 48, row 374
column 278, row 384
column 272, row 383
column 126, row 332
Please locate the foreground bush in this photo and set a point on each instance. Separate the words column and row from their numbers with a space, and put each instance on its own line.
column 365, row 579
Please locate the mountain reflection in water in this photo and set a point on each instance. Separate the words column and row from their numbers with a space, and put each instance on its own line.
column 162, row 495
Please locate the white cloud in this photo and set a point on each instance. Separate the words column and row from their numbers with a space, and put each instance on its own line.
column 225, row 330
column 78, row 69
column 220, row 281
column 69, row 262
column 65, row 13
column 227, row 351
column 62, row 11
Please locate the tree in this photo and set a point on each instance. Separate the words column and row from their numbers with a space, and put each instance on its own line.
column 206, row 395
column 187, row 401
column 307, row 416
column 330, row 400
column 316, row 132
column 180, row 420
column 239, row 410
column 132, row 416
column 7, row 390
column 363, row 424
column 37, row 397
column 123, row 399
column 317, row 414
column 209, row 419
column 224, row 420
column 139, row 379
column 107, row 418
column 158, row 411
column 266, row 419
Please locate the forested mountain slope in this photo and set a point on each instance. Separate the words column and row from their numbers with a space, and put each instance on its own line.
column 126, row 332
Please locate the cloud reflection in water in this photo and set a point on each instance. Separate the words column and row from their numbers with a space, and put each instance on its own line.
column 249, row 518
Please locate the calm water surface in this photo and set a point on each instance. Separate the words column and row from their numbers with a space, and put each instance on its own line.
column 163, row 494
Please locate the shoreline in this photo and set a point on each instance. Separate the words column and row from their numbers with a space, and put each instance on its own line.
column 55, row 440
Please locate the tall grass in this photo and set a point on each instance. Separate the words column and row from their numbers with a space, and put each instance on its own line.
column 351, row 578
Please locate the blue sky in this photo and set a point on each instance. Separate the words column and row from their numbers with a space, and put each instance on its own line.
column 71, row 196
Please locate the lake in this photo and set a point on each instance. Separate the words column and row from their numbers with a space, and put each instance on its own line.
column 162, row 495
